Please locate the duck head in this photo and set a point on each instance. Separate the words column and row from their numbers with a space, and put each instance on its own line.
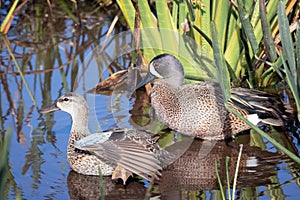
column 72, row 103
column 165, row 67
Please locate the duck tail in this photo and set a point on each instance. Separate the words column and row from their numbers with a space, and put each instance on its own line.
column 268, row 108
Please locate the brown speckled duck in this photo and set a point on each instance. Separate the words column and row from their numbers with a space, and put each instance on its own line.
column 198, row 109
column 118, row 152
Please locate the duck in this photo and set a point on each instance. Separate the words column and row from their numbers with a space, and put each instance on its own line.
column 118, row 152
column 198, row 109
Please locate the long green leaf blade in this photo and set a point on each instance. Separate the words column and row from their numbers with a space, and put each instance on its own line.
column 220, row 18
column 128, row 11
column 269, row 43
column 163, row 15
column 286, row 40
column 247, row 26
column 165, row 24
column 223, row 74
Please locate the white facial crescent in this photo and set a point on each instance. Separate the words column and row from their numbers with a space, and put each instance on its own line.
column 153, row 71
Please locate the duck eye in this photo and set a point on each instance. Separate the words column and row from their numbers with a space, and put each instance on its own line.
column 66, row 99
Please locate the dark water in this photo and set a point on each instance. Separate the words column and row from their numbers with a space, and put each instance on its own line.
column 54, row 51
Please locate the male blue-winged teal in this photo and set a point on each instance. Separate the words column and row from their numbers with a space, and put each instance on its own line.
column 198, row 109
column 118, row 152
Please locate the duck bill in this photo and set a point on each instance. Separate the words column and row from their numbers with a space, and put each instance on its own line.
column 149, row 77
column 51, row 108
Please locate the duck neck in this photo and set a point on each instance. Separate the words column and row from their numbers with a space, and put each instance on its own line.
column 78, row 131
column 174, row 81
column 80, row 126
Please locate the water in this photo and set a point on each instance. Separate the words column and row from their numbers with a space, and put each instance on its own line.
column 36, row 165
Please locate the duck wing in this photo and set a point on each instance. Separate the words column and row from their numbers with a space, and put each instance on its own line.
column 266, row 106
column 122, row 151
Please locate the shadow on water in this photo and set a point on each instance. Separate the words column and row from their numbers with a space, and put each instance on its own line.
column 51, row 44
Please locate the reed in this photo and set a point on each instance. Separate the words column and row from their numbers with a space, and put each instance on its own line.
column 8, row 18
column 4, row 163
column 231, row 195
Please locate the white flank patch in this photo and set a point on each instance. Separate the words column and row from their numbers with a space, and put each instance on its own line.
column 254, row 119
column 153, row 71
column 252, row 162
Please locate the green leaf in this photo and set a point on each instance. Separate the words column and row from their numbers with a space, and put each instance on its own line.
column 182, row 16
column 163, row 15
column 175, row 11
column 288, row 47
column 191, row 11
column 298, row 48
column 128, row 11
column 220, row 18
column 148, row 21
column 205, row 20
column 222, row 72
column 150, row 36
column 247, row 27
column 165, row 23
column 286, row 40
column 269, row 43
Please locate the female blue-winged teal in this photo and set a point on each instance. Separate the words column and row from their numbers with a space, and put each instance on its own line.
column 198, row 109
column 118, row 152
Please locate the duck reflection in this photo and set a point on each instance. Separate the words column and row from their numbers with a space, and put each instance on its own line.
column 88, row 187
column 195, row 169
column 192, row 171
